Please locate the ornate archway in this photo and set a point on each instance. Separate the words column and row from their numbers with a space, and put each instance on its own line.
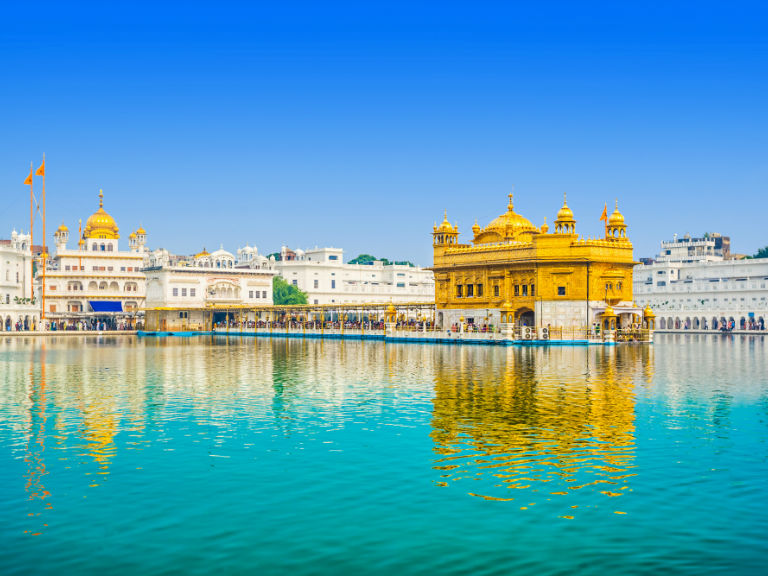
column 525, row 317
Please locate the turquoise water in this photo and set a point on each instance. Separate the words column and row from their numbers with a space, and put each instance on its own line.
column 257, row 456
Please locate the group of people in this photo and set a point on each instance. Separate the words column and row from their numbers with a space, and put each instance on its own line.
column 471, row 327
column 91, row 325
column 293, row 324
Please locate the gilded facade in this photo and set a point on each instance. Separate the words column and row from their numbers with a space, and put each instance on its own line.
column 533, row 276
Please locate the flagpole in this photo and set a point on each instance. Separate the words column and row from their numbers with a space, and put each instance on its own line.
column 45, row 252
column 31, row 233
column 80, row 245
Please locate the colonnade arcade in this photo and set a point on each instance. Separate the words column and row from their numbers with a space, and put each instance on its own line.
column 9, row 322
column 719, row 322
column 313, row 313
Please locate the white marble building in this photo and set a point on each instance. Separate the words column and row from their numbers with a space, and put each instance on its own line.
column 19, row 304
column 323, row 275
column 95, row 280
column 705, row 295
column 205, row 281
column 708, row 248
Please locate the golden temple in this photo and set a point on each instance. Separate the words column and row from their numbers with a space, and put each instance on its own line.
column 517, row 273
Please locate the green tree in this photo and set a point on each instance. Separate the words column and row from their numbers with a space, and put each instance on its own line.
column 762, row 253
column 363, row 259
column 368, row 259
column 285, row 294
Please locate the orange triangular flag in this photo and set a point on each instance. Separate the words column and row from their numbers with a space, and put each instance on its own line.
column 605, row 213
column 28, row 181
column 41, row 171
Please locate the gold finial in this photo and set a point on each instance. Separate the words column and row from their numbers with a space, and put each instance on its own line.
column 545, row 219
column 101, row 198
column 510, row 206
column 565, row 198
column 445, row 214
column 617, row 203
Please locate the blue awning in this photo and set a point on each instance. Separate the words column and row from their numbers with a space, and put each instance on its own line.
column 106, row 306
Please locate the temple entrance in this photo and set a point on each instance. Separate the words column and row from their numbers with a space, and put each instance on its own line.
column 526, row 317
column 220, row 319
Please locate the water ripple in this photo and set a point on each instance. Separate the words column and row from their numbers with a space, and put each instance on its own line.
column 254, row 455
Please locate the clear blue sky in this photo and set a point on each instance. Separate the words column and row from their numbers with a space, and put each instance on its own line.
column 355, row 124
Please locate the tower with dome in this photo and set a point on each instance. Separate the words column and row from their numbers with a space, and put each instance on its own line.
column 94, row 282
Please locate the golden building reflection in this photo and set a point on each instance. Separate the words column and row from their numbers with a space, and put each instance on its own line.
column 538, row 423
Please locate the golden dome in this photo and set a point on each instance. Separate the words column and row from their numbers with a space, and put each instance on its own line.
column 132, row 235
column 616, row 218
column 62, row 228
column 511, row 223
column 445, row 226
column 203, row 253
column 545, row 226
column 565, row 214
column 647, row 312
column 101, row 224
column 608, row 312
column 141, row 230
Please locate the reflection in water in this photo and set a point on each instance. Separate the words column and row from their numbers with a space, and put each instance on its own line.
column 35, row 446
column 542, row 422
column 161, row 454
column 521, row 423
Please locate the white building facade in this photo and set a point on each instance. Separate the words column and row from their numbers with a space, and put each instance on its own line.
column 192, row 293
column 323, row 275
column 95, row 282
column 708, row 248
column 706, row 295
column 19, row 304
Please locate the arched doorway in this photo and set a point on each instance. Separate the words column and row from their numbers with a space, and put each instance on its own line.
column 663, row 324
column 526, row 317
